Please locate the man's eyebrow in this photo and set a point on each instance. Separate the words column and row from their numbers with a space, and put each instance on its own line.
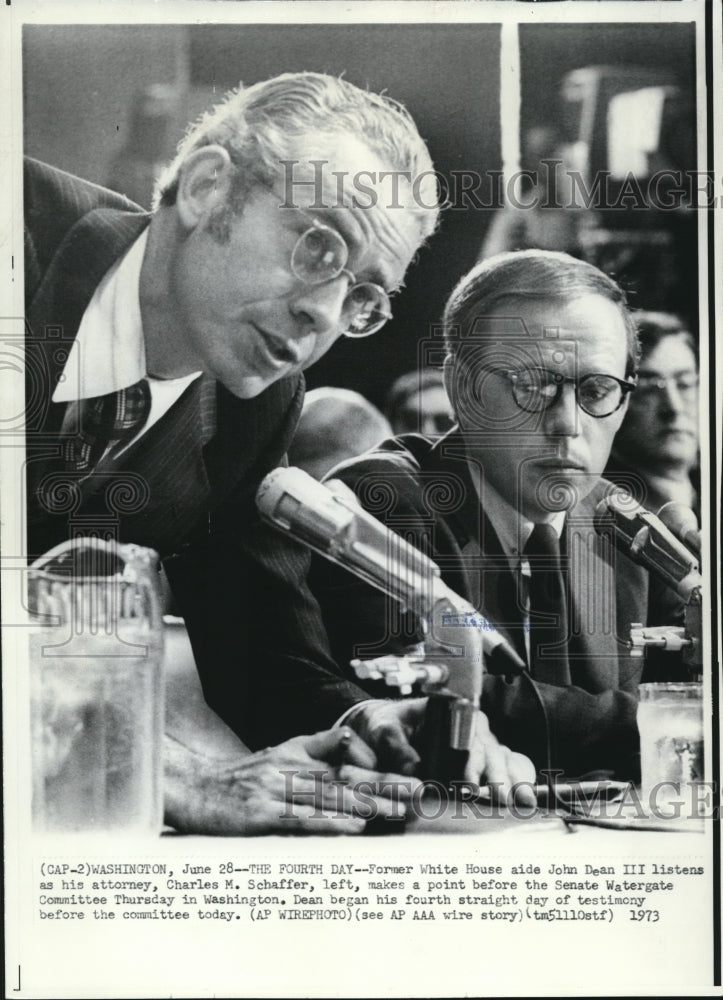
column 654, row 373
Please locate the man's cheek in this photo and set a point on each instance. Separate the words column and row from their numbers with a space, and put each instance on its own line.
column 601, row 447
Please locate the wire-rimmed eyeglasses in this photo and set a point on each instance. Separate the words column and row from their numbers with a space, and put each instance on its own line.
column 537, row 389
column 320, row 254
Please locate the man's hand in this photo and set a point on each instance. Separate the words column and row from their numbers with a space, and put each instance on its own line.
column 311, row 784
column 391, row 729
column 509, row 774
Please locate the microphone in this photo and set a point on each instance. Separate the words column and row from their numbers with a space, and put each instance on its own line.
column 329, row 519
column 683, row 523
column 644, row 538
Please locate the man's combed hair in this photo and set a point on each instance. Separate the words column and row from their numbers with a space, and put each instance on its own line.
column 656, row 326
column 277, row 119
column 534, row 275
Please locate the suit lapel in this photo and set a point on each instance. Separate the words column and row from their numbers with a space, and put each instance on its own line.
column 482, row 571
column 89, row 250
column 53, row 315
column 168, row 462
column 606, row 589
column 595, row 648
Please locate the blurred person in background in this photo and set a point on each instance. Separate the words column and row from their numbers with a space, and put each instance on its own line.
column 335, row 424
column 539, row 215
column 417, row 403
column 655, row 452
column 153, row 123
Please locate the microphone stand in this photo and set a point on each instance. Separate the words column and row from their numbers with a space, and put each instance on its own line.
column 328, row 519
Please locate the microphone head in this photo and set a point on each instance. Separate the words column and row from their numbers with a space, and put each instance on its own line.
column 298, row 504
column 620, row 510
column 681, row 520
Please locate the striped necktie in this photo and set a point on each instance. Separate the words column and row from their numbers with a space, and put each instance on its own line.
column 105, row 423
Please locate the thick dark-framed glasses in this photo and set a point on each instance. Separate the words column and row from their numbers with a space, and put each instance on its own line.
column 320, row 254
column 537, row 389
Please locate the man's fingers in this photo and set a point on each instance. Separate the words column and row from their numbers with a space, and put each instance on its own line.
column 386, row 726
column 335, row 825
column 495, row 768
column 522, row 778
column 506, row 772
column 348, row 791
column 476, row 769
column 388, row 785
column 310, row 820
column 393, row 748
column 340, row 746
column 520, row 767
column 361, row 800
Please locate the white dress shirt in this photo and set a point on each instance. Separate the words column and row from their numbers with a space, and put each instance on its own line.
column 108, row 352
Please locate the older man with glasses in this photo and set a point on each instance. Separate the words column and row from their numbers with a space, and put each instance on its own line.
column 165, row 357
column 541, row 364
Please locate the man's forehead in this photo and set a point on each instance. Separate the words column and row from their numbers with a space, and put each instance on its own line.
column 549, row 326
column 345, row 168
column 671, row 352
column 359, row 203
column 522, row 350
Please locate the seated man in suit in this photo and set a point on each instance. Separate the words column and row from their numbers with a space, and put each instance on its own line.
column 542, row 356
column 165, row 354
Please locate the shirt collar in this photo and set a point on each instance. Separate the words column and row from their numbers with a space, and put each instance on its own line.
column 512, row 529
column 108, row 352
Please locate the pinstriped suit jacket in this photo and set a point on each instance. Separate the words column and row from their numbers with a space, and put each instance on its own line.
column 186, row 488
column 422, row 489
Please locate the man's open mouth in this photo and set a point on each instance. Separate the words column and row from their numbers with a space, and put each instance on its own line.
column 284, row 352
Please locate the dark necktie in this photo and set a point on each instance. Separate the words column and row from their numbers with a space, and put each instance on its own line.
column 104, row 424
column 548, row 608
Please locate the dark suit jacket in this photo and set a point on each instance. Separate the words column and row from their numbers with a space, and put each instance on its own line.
column 423, row 490
column 185, row 489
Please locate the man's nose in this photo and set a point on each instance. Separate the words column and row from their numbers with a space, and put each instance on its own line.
column 563, row 417
column 319, row 308
column 671, row 399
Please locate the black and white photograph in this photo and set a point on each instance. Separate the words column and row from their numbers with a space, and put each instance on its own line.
column 360, row 490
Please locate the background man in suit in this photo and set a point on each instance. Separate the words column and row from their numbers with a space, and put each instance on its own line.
column 542, row 356
column 165, row 357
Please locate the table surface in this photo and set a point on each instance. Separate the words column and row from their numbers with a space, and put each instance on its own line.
column 193, row 723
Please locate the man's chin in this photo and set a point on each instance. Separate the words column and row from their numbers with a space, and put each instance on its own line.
column 559, row 490
column 251, row 386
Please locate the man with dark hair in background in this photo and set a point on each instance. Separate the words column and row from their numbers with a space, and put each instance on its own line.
column 417, row 402
column 655, row 452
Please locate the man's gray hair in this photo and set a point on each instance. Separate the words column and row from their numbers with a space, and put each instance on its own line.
column 263, row 124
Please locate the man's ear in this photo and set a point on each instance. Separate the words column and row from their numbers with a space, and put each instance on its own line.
column 204, row 184
column 450, row 382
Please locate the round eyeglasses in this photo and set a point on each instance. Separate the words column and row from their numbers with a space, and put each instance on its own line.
column 537, row 389
column 320, row 254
